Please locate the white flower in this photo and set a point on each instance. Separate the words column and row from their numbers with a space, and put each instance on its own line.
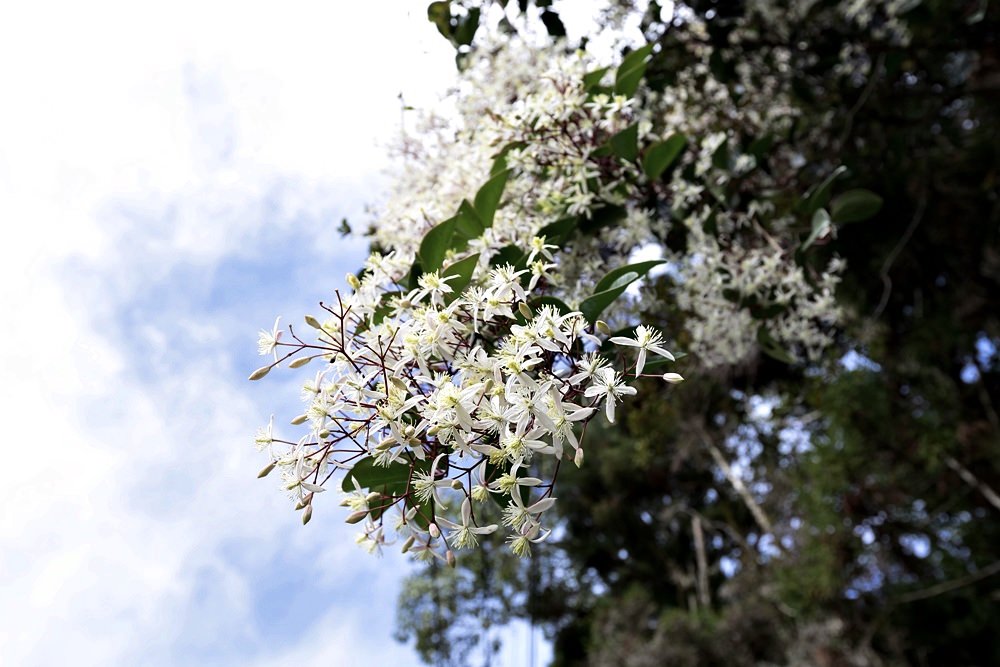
column 267, row 341
column 464, row 535
column 647, row 340
column 609, row 385
column 265, row 436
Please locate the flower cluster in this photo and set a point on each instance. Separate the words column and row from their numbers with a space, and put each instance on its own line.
column 467, row 358
column 443, row 396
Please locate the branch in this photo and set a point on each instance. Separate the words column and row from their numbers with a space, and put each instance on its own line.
column 973, row 481
column 739, row 487
column 699, row 549
column 891, row 257
column 946, row 586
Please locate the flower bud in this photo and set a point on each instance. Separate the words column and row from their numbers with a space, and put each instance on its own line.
column 355, row 517
column 456, row 484
column 434, row 530
column 307, row 514
column 259, row 373
column 301, row 419
column 313, row 322
column 450, row 557
column 352, row 280
column 578, row 458
column 266, row 470
column 673, row 378
column 525, row 310
column 300, row 362
column 603, row 327
column 408, row 543
column 373, row 496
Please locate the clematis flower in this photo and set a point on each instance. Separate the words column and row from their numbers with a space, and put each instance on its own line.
column 464, row 534
column 646, row 339
column 608, row 385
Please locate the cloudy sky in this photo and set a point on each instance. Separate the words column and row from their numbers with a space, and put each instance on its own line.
column 171, row 178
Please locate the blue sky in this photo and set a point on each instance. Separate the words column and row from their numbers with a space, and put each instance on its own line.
column 171, row 180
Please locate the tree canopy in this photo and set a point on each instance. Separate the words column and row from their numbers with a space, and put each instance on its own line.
column 822, row 178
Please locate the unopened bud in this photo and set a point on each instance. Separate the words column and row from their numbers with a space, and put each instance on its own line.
column 603, row 327
column 578, row 458
column 410, row 513
column 673, row 378
column 434, row 530
column 266, row 470
column 456, row 484
column 525, row 310
column 373, row 496
column 352, row 280
column 300, row 362
column 355, row 517
column 301, row 419
column 260, row 372
column 313, row 322
column 450, row 557
column 307, row 514
column 408, row 543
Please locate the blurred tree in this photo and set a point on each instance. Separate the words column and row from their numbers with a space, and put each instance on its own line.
column 838, row 512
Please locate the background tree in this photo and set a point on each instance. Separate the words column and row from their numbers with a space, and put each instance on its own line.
column 838, row 510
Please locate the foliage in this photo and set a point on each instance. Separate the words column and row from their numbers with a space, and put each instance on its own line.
column 822, row 490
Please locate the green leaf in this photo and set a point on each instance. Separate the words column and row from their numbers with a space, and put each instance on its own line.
column 720, row 158
column 642, row 268
column 560, row 231
column 593, row 79
column 662, row 154
column 612, row 286
column 371, row 476
column 821, row 226
column 509, row 254
column 771, row 347
column 467, row 27
column 435, row 244
column 605, row 216
column 553, row 24
column 631, row 70
column 818, row 196
column 854, row 206
column 488, row 197
column 415, row 272
column 439, row 13
column 468, row 224
column 761, row 146
column 464, row 269
column 502, row 155
column 625, row 144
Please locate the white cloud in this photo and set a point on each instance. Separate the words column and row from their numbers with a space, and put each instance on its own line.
column 144, row 151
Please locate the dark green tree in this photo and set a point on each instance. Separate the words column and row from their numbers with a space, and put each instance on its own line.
column 837, row 512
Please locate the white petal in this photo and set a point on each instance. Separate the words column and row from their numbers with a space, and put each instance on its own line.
column 618, row 340
column 662, row 352
column 541, row 506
